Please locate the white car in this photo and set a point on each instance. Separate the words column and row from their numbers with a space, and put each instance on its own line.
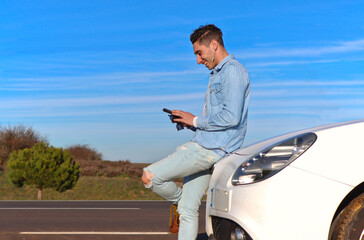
column 305, row 185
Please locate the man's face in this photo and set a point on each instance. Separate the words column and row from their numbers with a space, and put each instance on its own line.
column 204, row 54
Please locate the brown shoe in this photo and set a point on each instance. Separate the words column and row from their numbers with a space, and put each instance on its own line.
column 173, row 219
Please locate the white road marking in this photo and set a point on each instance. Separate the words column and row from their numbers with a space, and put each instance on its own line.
column 94, row 233
column 362, row 235
column 69, row 208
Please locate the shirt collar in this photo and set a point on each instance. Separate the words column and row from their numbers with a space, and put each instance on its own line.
column 222, row 63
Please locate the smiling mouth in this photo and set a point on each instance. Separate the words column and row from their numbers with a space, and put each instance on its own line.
column 205, row 62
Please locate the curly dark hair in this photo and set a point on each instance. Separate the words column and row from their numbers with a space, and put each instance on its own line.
column 205, row 33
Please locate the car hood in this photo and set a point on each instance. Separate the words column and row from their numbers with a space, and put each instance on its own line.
column 227, row 166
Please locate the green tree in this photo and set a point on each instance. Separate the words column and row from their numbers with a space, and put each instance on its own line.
column 43, row 166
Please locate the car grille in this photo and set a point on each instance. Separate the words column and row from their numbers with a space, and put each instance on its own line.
column 224, row 229
column 216, row 223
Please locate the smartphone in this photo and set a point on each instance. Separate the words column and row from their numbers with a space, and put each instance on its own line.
column 167, row 110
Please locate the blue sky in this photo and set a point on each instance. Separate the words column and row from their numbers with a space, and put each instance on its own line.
column 100, row 72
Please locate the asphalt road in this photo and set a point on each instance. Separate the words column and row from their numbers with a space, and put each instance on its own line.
column 81, row 220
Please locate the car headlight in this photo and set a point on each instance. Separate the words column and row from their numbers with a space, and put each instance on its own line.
column 272, row 159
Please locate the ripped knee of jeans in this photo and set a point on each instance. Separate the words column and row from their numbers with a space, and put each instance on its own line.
column 147, row 178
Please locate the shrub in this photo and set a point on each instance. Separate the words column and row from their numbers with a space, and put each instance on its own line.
column 15, row 138
column 110, row 169
column 43, row 167
column 92, row 164
column 84, row 152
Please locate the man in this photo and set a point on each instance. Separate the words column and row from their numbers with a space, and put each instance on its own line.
column 220, row 130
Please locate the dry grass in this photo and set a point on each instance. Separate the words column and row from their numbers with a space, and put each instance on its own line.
column 87, row 188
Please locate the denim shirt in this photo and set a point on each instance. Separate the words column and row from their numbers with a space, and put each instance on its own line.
column 223, row 123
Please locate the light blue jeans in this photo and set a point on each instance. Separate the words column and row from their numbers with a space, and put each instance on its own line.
column 192, row 162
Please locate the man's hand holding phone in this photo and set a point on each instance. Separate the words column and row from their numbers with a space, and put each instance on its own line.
column 183, row 119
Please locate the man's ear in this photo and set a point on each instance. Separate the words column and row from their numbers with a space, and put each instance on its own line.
column 214, row 44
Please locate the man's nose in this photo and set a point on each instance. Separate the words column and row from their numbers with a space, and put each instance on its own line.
column 199, row 59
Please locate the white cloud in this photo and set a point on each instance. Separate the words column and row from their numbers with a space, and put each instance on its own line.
column 280, row 63
column 298, row 92
column 338, row 47
column 96, row 101
column 310, row 83
column 309, row 103
column 77, row 82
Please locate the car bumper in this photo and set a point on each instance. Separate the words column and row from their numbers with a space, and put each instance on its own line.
column 293, row 204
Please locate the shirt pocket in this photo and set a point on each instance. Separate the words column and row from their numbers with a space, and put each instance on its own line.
column 216, row 94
